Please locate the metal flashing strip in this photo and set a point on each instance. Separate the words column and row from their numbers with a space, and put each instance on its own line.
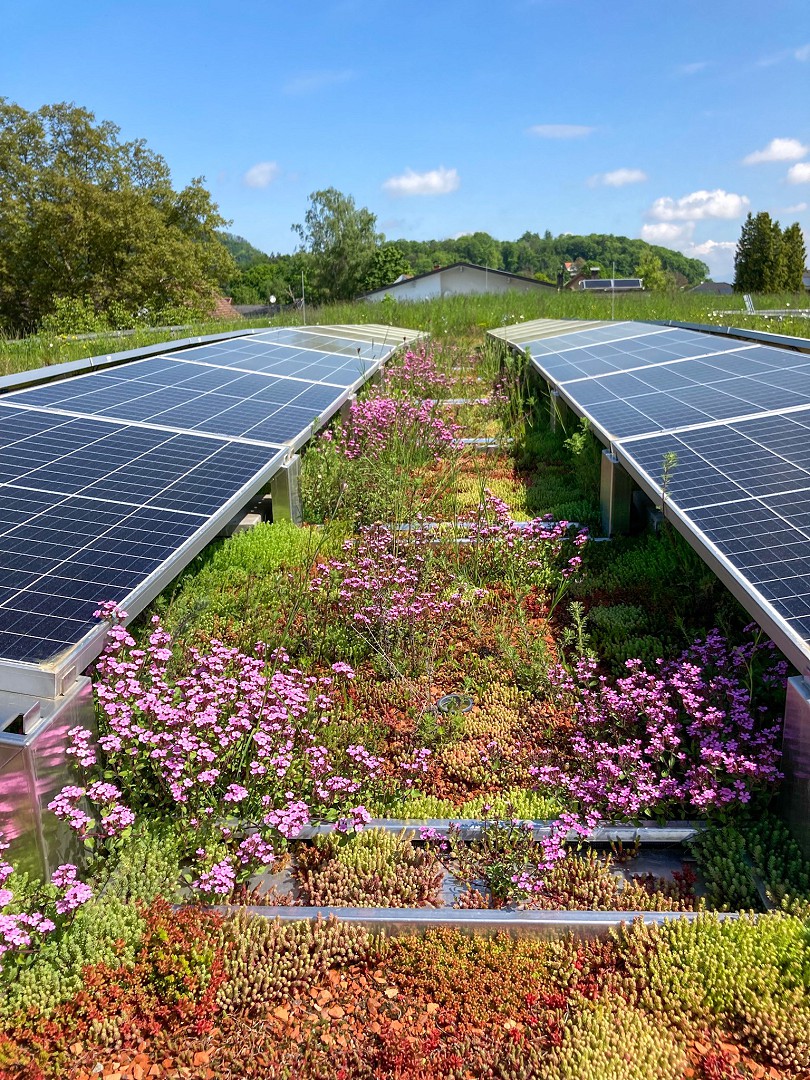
column 547, row 924
column 674, row 832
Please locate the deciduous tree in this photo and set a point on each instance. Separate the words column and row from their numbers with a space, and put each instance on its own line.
column 342, row 239
column 85, row 216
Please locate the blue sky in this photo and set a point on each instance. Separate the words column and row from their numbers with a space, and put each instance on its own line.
column 449, row 116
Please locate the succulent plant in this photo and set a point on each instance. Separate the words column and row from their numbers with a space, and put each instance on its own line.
column 610, row 1040
column 374, row 868
column 267, row 961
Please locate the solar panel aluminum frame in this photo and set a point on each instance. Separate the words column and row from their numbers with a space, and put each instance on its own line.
column 786, row 639
column 52, row 679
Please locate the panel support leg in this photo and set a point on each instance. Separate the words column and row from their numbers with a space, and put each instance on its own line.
column 345, row 408
column 616, row 496
column 560, row 415
column 285, row 491
column 795, row 796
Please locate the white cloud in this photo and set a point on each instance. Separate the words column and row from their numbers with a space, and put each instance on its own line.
column 261, row 175
column 560, row 131
column 799, row 173
column 439, row 181
column 711, row 247
column 699, row 205
column 802, row 53
column 667, row 233
column 778, row 150
column 797, row 208
column 691, row 69
column 310, row 82
column 618, row 178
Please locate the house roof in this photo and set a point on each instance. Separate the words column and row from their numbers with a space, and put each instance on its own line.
column 465, row 266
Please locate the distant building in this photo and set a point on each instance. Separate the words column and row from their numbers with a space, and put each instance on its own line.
column 459, row 279
column 714, row 288
column 223, row 308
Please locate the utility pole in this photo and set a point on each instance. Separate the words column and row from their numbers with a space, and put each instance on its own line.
column 303, row 302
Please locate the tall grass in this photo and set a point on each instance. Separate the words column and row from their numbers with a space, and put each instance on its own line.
column 458, row 318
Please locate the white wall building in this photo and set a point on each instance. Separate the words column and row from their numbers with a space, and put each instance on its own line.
column 460, row 279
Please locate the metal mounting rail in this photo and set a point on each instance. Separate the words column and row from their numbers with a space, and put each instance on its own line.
column 548, row 924
column 676, row 832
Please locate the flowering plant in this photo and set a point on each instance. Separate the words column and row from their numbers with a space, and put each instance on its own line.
column 686, row 739
column 389, row 589
column 235, row 749
column 380, row 426
column 28, row 916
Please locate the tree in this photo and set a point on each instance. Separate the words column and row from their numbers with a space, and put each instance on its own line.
column 86, row 217
column 481, row 249
column 651, row 271
column 386, row 265
column 767, row 259
column 794, row 258
column 342, row 239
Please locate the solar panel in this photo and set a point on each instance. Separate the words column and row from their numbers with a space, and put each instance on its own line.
column 90, row 509
column 736, row 416
column 187, row 396
column 330, row 343
column 111, row 480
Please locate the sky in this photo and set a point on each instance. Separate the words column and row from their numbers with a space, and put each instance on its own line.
column 668, row 122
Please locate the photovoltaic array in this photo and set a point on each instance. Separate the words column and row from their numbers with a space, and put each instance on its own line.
column 110, row 480
column 735, row 414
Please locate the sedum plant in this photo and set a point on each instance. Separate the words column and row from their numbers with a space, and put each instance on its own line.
column 373, row 868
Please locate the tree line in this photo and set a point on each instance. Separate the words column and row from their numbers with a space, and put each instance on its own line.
column 341, row 254
column 93, row 235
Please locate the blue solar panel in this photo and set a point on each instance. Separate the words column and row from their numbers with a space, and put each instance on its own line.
column 103, row 476
column 330, row 343
column 737, row 418
column 191, row 397
column 89, row 509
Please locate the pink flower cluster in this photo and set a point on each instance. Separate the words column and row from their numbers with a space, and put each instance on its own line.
column 236, row 730
column 416, row 374
column 686, row 739
column 378, row 425
column 355, row 821
column 111, row 818
column 540, row 552
column 387, row 588
column 23, row 930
